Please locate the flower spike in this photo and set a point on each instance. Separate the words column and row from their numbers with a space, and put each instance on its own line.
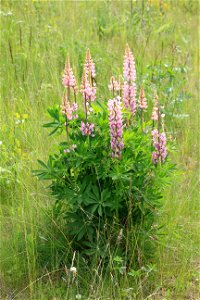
column 129, row 87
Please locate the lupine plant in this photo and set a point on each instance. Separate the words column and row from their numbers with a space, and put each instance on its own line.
column 112, row 165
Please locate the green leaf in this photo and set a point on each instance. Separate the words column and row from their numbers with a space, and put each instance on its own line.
column 42, row 164
column 100, row 210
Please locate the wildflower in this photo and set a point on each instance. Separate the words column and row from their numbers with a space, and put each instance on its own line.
column 114, row 84
column 66, row 108
column 129, row 86
column 78, row 296
column 74, row 146
column 88, row 91
column 66, row 150
column 155, row 157
column 154, row 116
column 163, row 149
column 69, row 110
column 159, row 143
column 90, row 110
column 116, row 126
column 87, row 129
column 89, row 65
column 74, row 107
column 142, row 103
column 68, row 78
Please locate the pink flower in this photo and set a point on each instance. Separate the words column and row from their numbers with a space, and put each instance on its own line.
column 159, row 143
column 116, row 126
column 68, row 78
column 68, row 110
column 154, row 116
column 87, row 129
column 129, row 87
column 163, row 149
column 114, row 84
column 88, row 91
column 66, row 150
column 155, row 157
column 74, row 107
column 142, row 102
column 89, row 65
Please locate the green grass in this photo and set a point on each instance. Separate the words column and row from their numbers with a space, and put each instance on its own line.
column 36, row 37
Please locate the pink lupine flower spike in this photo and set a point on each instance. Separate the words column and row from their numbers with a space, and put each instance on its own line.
column 129, row 87
column 116, row 126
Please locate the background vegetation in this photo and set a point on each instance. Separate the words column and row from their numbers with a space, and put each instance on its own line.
column 36, row 36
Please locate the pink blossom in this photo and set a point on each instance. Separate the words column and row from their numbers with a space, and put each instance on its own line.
column 142, row 102
column 163, row 149
column 129, row 87
column 74, row 107
column 68, row 78
column 154, row 116
column 89, row 65
column 155, row 157
column 69, row 110
column 66, row 150
column 87, row 129
column 66, row 108
column 88, row 91
column 116, row 126
column 159, row 143
column 114, row 84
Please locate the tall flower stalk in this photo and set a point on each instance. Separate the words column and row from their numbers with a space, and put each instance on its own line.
column 158, row 137
column 114, row 85
column 154, row 115
column 142, row 104
column 68, row 108
column 116, row 126
column 88, row 90
column 129, row 86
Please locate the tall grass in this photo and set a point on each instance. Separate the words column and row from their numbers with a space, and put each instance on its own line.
column 36, row 36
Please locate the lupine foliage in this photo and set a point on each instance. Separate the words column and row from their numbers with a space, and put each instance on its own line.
column 106, row 179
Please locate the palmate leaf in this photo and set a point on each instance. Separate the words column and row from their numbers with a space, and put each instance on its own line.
column 54, row 112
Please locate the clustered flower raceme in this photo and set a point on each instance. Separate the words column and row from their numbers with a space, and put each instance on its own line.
column 142, row 102
column 69, row 82
column 70, row 111
column 154, row 116
column 68, row 78
column 114, row 85
column 129, row 86
column 88, row 90
column 89, row 65
column 159, row 142
column 87, row 129
column 158, row 138
column 116, row 126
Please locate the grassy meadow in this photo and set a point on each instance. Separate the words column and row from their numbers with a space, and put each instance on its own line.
column 36, row 37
